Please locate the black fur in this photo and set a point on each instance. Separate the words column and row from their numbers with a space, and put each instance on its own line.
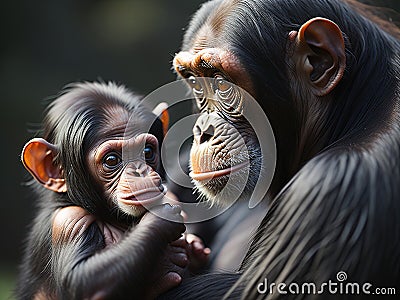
column 73, row 123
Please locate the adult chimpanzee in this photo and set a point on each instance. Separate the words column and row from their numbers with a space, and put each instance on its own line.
column 328, row 79
column 84, row 242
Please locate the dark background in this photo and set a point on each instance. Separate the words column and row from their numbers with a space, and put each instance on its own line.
column 50, row 43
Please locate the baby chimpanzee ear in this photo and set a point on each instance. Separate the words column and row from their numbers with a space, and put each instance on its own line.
column 161, row 110
column 38, row 158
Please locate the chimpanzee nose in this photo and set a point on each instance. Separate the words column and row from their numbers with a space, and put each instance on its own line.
column 136, row 173
column 136, row 169
column 204, row 129
column 203, row 136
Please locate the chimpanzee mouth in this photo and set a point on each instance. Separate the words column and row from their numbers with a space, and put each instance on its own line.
column 147, row 197
column 209, row 175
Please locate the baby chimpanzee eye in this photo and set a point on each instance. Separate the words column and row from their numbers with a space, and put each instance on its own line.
column 111, row 160
column 149, row 153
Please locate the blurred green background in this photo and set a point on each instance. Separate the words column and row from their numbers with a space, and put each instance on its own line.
column 47, row 44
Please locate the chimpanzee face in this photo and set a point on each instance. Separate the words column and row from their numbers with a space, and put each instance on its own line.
column 129, row 181
column 125, row 165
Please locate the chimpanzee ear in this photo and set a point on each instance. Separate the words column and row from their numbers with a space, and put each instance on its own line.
column 161, row 110
column 320, row 55
column 38, row 158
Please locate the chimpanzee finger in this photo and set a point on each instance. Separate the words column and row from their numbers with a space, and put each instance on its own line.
column 179, row 259
column 181, row 242
column 165, row 283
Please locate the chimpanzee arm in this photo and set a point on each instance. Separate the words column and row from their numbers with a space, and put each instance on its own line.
column 84, row 268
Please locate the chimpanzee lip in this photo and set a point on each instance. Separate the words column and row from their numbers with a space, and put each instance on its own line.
column 146, row 196
column 218, row 173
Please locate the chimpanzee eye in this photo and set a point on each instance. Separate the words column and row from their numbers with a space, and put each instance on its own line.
column 149, row 153
column 111, row 160
column 196, row 86
column 224, row 89
column 222, row 85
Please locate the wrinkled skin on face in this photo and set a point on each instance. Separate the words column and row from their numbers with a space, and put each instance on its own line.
column 225, row 155
column 132, row 184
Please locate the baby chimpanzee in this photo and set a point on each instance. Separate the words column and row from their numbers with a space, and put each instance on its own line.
column 92, row 237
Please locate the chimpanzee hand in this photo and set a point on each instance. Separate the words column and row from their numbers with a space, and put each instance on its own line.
column 198, row 254
column 158, row 222
column 171, row 269
column 174, row 261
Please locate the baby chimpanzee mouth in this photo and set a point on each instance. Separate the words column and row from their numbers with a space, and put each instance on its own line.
column 146, row 197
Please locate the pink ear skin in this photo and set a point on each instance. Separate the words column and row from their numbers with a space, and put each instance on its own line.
column 38, row 157
column 319, row 54
column 161, row 111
